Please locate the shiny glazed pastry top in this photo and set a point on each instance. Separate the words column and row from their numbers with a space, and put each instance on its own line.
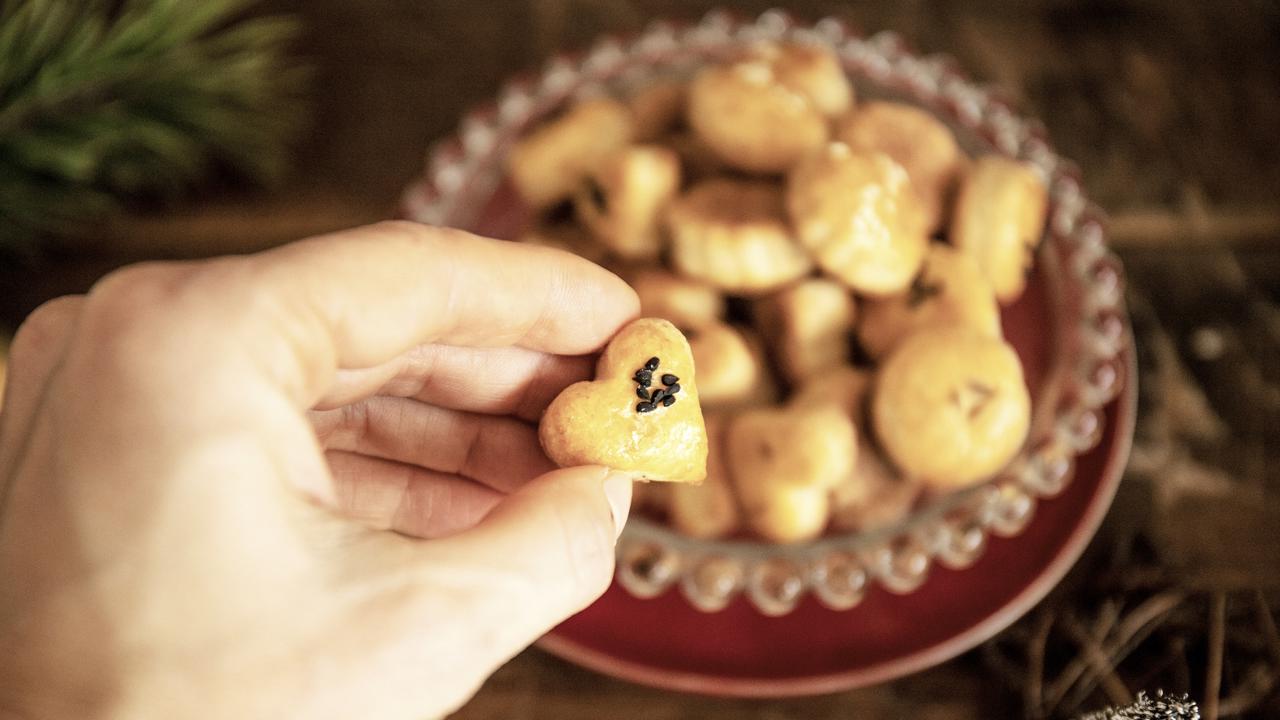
column 605, row 421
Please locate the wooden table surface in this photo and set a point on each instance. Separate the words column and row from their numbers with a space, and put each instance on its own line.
column 1171, row 109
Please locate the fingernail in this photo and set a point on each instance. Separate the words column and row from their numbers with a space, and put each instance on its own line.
column 617, row 490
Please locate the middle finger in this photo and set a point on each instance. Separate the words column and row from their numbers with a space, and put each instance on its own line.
column 497, row 381
column 498, row 451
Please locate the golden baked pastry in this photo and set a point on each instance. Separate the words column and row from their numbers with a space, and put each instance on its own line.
column 950, row 291
column 734, row 235
column 697, row 161
column 660, row 197
column 605, row 422
column 688, row 304
column 999, row 220
column 765, row 111
column 569, row 237
column 784, row 464
column 784, row 513
column 859, row 217
column 550, row 164
column 917, row 141
column 874, row 497
column 657, row 109
column 732, row 370
column 622, row 200
column 707, row 510
column 811, row 70
column 808, row 325
column 844, row 387
column 951, row 407
column 810, row 447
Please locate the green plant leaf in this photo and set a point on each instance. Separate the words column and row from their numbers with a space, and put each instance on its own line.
column 105, row 102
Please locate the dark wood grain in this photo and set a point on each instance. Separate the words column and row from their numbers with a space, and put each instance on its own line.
column 536, row 685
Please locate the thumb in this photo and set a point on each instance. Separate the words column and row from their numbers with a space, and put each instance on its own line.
column 465, row 604
column 541, row 555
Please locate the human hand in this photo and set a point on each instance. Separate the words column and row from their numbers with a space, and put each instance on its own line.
column 300, row 484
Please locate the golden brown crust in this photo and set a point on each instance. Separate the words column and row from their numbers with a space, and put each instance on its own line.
column 950, row 406
column 917, row 141
column 859, row 217
column 657, row 109
column 732, row 369
column 689, row 304
column 813, row 71
column 707, row 510
column 623, row 199
column 550, row 163
column 950, row 291
column 697, row 161
column 808, row 325
column 750, row 119
column 999, row 220
column 809, row 447
column 596, row 422
column 845, row 388
column 785, row 513
column 784, row 464
column 734, row 235
column 875, row 496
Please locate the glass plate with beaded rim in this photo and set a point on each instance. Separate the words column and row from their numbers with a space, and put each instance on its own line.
column 1074, row 370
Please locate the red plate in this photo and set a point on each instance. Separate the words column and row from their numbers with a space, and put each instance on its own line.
column 667, row 643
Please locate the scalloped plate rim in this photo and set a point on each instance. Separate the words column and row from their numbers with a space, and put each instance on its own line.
column 1000, row 618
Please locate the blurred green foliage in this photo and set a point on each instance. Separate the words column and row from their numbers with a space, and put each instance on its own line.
column 103, row 101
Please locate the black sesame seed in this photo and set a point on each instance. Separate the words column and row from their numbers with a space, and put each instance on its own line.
column 644, row 407
column 675, row 388
column 657, row 395
column 668, row 401
column 652, row 364
column 670, row 379
column 642, row 393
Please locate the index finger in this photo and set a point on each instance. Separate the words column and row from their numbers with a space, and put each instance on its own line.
column 382, row 289
column 362, row 297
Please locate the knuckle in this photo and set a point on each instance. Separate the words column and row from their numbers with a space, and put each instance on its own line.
column 143, row 296
column 165, row 312
column 130, row 296
column 128, row 318
column 46, row 325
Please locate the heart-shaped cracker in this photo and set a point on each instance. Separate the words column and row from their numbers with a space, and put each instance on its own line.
column 605, row 422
